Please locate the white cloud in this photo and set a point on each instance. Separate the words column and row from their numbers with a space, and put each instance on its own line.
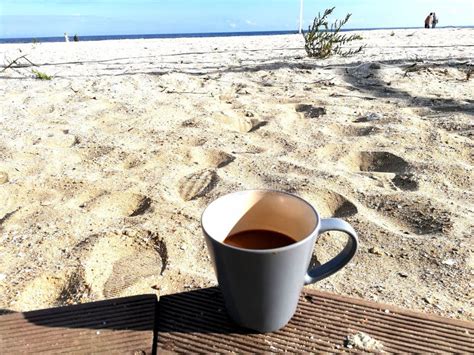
column 251, row 23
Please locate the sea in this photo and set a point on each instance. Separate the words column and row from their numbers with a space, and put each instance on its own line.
column 143, row 36
column 180, row 35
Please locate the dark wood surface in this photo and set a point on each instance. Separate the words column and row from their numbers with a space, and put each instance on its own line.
column 124, row 325
column 196, row 321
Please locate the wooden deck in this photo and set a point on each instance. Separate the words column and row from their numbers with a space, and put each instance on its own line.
column 196, row 321
column 124, row 325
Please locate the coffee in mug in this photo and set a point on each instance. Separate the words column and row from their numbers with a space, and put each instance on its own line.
column 259, row 239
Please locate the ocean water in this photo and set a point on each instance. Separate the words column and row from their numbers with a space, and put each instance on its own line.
column 143, row 36
column 181, row 35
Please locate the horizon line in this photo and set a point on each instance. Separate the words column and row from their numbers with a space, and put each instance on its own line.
column 217, row 34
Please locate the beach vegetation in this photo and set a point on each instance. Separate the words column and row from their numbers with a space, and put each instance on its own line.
column 40, row 75
column 323, row 40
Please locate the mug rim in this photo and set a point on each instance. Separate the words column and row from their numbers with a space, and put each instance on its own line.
column 272, row 250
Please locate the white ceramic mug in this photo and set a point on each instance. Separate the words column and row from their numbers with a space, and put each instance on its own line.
column 261, row 288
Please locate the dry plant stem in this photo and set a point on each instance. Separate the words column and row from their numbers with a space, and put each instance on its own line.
column 322, row 41
column 16, row 61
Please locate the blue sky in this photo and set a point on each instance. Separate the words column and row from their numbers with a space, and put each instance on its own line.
column 39, row 18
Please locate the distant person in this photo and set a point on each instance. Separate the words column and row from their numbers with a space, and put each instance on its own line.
column 429, row 20
column 66, row 37
column 435, row 20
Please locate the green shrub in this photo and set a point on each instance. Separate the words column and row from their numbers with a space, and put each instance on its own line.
column 41, row 76
column 322, row 41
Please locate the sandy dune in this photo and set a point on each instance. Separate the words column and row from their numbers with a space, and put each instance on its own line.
column 105, row 169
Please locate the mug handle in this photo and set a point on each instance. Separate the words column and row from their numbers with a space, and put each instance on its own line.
column 341, row 259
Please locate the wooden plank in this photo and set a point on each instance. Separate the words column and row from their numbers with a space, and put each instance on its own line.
column 196, row 321
column 124, row 325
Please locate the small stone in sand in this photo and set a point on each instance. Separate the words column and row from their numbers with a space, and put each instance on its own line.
column 310, row 111
column 363, row 341
column 3, row 177
column 449, row 262
column 369, row 117
column 375, row 251
column 428, row 300
column 375, row 66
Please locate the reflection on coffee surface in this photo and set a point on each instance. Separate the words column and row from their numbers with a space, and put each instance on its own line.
column 259, row 239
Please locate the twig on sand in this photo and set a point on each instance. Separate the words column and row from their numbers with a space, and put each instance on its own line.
column 8, row 215
column 18, row 65
column 325, row 82
column 469, row 72
column 412, row 68
column 415, row 67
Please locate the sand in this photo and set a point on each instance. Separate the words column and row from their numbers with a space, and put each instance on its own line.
column 106, row 168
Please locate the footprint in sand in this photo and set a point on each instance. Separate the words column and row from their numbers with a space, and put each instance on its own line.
column 75, row 290
column 118, row 264
column 405, row 182
column 384, row 162
column 212, row 158
column 241, row 123
column 416, row 214
column 332, row 204
column 118, row 204
column 42, row 292
column 197, row 184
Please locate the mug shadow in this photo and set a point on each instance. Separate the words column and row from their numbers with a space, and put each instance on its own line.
column 126, row 322
column 6, row 311
column 134, row 313
column 197, row 311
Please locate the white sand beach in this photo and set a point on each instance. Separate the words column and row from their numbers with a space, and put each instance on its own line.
column 106, row 168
